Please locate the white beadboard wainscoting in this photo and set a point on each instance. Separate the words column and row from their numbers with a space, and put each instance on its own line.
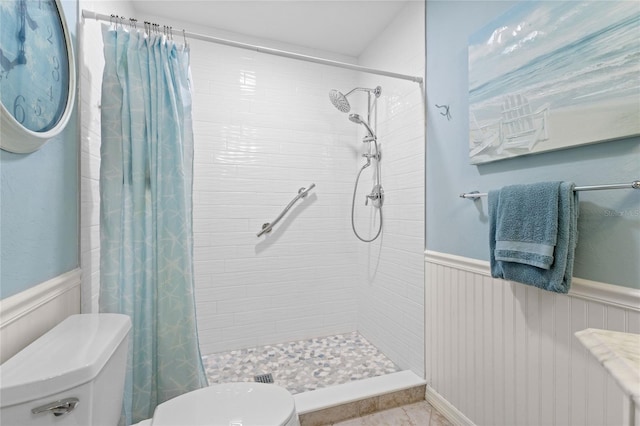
column 504, row 353
column 28, row 315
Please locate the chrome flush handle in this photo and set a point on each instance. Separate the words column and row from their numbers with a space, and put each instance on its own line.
column 58, row 408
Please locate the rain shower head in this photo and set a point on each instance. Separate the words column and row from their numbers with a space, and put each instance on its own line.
column 358, row 120
column 339, row 101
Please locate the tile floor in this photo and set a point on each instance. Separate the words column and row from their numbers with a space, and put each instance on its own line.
column 416, row 414
column 302, row 365
column 310, row 364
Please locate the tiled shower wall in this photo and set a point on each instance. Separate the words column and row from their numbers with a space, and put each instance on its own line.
column 264, row 127
column 391, row 269
column 275, row 130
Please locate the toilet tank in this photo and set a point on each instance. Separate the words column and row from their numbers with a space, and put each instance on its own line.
column 72, row 375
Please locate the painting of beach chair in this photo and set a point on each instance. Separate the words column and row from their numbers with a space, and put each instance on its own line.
column 519, row 126
column 482, row 136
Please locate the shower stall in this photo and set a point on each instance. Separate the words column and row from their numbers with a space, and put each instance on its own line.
column 334, row 269
column 263, row 129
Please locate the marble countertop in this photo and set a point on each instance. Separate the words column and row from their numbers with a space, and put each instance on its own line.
column 619, row 353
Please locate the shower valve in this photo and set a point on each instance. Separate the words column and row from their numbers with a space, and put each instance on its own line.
column 370, row 156
column 376, row 196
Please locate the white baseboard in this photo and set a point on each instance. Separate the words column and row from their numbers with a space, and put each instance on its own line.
column 28, row 315
column 608, row 294
column 445, row 408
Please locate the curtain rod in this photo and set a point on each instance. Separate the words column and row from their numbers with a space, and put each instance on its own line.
column 633, row 185
column 88, row 14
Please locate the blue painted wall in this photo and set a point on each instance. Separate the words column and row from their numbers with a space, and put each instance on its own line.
column 609, row 225
column 39, row 206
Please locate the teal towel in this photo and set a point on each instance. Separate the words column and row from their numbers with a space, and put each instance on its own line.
column 558, row 277
column 527, row 224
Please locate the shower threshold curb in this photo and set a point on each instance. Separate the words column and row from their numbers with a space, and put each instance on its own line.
column 334, row 396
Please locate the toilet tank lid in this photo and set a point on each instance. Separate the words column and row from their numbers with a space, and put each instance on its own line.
column 70, row 354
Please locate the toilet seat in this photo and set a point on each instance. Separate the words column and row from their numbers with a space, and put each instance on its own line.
column 230, row 404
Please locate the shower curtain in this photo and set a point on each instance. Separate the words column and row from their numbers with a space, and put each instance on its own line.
column 146, row 223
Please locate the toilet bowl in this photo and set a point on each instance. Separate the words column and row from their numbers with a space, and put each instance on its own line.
column 74, row 375
column 228, row 404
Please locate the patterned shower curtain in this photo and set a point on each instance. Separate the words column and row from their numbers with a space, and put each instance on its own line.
column 146, row 223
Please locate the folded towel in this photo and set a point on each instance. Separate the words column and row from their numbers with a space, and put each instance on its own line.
column 527, row 224
column 558, row 277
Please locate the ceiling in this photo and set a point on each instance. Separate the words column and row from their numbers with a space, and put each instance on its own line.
column 344, row 27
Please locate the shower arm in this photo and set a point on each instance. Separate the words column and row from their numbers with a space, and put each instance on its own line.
column 302, row 192
column 363, row 89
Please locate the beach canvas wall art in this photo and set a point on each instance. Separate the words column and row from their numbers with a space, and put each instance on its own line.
column 554, row 74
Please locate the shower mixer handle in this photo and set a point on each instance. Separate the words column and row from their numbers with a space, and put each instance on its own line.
column 373, row 197
column 376, row 196
column 375, row 156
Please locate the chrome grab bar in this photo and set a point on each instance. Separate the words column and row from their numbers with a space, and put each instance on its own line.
column 302, row 192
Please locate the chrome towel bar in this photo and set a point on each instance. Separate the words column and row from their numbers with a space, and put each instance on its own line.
column 302, row 192
column 633, row 185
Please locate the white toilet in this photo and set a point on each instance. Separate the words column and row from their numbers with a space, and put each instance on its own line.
column 74, row 375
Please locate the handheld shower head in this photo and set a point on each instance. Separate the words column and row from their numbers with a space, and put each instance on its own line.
column 339, row 101
column 358, row 120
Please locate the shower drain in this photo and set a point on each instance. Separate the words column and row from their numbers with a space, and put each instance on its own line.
column 264, row 378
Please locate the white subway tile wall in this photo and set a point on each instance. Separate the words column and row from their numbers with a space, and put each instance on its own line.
column 90, row 61
column 391, row 269
column 264, row 128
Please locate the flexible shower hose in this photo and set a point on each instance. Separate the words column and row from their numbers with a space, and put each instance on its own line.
column 353, row 208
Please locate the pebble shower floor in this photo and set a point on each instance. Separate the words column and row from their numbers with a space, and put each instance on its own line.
column 302, row 365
